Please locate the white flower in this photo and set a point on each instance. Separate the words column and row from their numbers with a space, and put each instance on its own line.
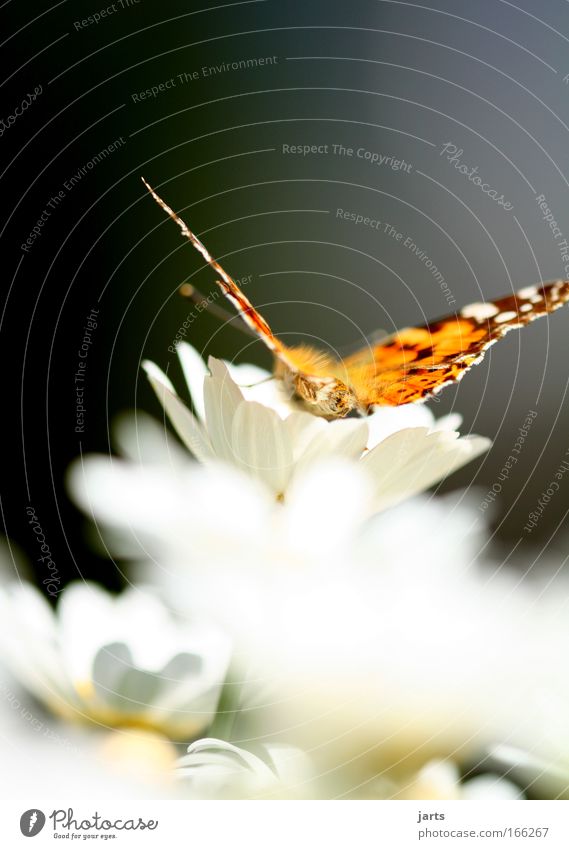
column 385, row 645
column 377, row 642
column 217, row 769
column 415, row 653
column 116, row 661
column 440, row 780
column 547, row 774
column 403, row 449
column 40, row 750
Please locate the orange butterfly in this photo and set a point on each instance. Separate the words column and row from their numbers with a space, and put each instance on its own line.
column 410, row 365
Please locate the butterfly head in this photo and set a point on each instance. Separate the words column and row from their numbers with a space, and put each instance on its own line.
column 328, row 397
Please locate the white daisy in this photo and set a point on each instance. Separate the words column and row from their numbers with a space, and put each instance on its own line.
column 384, row 644
column 404, row 449
column 115, row 661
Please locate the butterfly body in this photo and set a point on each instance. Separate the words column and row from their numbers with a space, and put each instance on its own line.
column 410, row 366
column 328, row 397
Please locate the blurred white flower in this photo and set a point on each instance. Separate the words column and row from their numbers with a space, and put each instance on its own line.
column 403, row 449
column 217, row 769
column 214, row 769
column 546, row 774
column 418, row 651
column 41, row 754
column 440, row 780
column 116, row 661
column 379, row 643
column 385, row 645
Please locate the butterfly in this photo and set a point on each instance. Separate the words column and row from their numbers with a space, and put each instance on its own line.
column 408, row 366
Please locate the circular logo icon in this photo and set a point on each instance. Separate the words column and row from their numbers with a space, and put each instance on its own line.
column 32, row 822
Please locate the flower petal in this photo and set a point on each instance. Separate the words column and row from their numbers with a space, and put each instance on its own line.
column 257, row 384
column 490, row 788
column 344, row 438
column 303, row 428
column 186, row 425
column 324, row 506
column 385, row 421
column 414, row 459
column 261, row 445
column 143, row 439
column 195, row 371
column 221, row 398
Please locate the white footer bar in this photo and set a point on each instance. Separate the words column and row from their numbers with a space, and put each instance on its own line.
column 285, row 824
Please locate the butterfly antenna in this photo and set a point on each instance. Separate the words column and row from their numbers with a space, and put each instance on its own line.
column 229, row 287
column 188, row 290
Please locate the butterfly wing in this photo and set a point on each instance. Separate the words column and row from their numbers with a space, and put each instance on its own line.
column 412, row 364
column 417, row 362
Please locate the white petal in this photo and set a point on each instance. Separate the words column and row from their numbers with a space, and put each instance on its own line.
column 452, row 421
column 436, row 780
column 344, row 438
column 246, row 374
column 186, row 425
column 144, row 440
column 28, row 642
column 261, row 445
column 180, row 509
column 152, row 370
column 195, row 370
column 123, row 494
column 324, row 505
column 257, row 384
column 489, row 787
column 222, row 397
column 302, row 429
column 386, row 421
column 414, row 459
column 208, row 751
column 89, row 618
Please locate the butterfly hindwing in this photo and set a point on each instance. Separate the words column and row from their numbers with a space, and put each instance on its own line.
column 416, row 362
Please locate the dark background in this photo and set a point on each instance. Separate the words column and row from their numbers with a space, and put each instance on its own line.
column 394, row 78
